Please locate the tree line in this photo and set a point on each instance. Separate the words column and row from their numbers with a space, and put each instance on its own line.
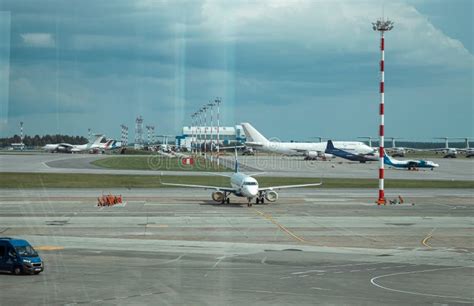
column 39, row 141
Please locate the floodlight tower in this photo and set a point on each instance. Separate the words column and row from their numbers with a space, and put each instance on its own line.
column 382, row 26
column 139, row 131
column 192, row 132
column 21, row 131
column 150, row 134
column 200, row 111
column 204, row 110
column 126, row 136
column 123, row 137
column 218, row 101
column 210, row 106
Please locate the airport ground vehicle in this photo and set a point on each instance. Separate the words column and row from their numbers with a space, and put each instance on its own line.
column 18, row 256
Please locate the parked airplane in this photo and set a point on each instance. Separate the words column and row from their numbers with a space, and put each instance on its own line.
column 470, row 152
column 466, row 150
column 447, row 151
column 243, row 185
column 110, row 144
column 409, row 164
column 330, row 149
column 394, row 150
column 69, row 148
column 308, row 149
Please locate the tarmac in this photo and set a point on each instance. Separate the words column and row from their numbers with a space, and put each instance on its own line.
column 450, row 169
column 177, row 247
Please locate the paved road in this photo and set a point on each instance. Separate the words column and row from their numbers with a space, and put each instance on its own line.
column 178, row 247
column 450, row 169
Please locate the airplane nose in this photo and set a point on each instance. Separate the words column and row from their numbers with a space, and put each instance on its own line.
column 251, row 191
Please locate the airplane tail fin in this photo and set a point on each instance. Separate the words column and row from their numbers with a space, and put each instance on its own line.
column 329, row 147
column 387, row 159
column 98, row 139
column 252, row 134
column 109, row 144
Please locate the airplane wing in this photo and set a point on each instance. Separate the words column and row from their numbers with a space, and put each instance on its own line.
column 227, row 189
column 289, row 186
column 253, row 144
column 65, row 145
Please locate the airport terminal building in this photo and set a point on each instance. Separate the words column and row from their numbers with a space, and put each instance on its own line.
column 227, row 135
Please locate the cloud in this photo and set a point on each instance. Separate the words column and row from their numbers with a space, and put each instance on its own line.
column 38, row 40
column 165, row 58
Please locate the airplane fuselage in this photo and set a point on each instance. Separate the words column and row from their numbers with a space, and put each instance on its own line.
column 302, row 148
column 245, row 186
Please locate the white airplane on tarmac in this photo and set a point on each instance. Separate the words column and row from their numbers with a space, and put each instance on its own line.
column 308, row 149
column 110, row 144
column 69, row 148
column 244, row 185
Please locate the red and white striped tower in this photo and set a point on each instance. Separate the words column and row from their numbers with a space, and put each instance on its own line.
column 382, row 26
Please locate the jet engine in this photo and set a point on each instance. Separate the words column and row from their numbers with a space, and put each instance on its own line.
column 312, row 154
column 271, row 196
column 218, row 196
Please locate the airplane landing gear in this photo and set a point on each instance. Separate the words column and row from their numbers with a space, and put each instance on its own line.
column 260, row 200
column 226, row 199
column 249, row 203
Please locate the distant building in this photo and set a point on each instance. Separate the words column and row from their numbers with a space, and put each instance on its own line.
column 227, row 135
column 17, row 146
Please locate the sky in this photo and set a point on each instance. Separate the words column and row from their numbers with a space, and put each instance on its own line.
column 294, row 69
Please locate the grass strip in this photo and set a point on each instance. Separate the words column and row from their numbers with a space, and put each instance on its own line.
column 64, row 180
column 157, row 162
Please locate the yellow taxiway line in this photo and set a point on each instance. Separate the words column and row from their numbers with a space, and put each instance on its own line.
column 428, row 237
column 281, row 227
column 48, row 248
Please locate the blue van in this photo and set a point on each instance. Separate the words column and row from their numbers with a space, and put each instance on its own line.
column 18, row 256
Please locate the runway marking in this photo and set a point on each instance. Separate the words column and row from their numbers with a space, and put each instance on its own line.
column 425, row 240
column 337, row 272
column 317, row 288
column 384, row 268
column 173, row 260
column 372, row 281
column 335, row 266
column 284, row 229
column 354, row 270
column 157, row 225
column 219, row 259
column 48, row 248
column 309, row 271
column 263, row 260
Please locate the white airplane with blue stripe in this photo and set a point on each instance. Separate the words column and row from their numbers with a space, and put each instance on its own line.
column 243, row 185
column 309, row 149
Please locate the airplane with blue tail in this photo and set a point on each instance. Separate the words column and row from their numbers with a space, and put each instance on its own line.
column 409, row 164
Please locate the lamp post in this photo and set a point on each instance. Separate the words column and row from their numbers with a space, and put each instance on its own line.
column 204, row 108
column 200, row 131
column 217, row 102
column 210, row 107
